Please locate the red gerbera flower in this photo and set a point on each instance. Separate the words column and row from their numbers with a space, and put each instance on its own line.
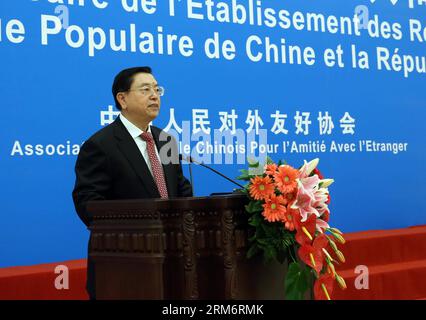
column 274, row 209
column 261, row 188
column 290, row 218
column 290, row 196
column 285, row 178
column 271, row 169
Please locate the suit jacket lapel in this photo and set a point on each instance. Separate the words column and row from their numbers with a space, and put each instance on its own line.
column 167, row 166
column 130, row 150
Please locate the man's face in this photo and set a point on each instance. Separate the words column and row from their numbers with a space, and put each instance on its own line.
column 141, row 101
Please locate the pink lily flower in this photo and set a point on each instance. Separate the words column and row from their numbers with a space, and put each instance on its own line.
column 305, row 198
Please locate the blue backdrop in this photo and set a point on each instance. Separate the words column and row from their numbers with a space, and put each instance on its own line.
column 56, row 92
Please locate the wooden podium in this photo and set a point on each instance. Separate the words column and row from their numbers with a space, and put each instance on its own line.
column 183, row 248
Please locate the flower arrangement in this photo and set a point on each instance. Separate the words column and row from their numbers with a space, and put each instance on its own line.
column 288, row 210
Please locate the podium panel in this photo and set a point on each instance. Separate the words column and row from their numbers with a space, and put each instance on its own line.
column 183, row 248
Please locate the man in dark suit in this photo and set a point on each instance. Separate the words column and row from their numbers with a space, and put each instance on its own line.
column 129, row 159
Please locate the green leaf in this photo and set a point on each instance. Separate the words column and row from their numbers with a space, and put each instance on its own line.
column 282, row 255
column 255, row 220
column 254, row 249
column 254, row 165
column 252, row 162
column 258, row 206
column 269, row 230
column 262, row 241
column 254, row 206
column 244, row 175
column 296, row 282
column 269, row 160
column 270, row 253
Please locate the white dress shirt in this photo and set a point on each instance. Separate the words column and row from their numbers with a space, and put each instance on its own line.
column 135, row 132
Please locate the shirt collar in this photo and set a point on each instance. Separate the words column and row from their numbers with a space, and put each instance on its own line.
column 133, row 130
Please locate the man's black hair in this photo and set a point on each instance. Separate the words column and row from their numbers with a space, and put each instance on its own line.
column 124, row 79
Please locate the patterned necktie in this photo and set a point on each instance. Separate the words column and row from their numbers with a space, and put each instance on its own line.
column 157, row 169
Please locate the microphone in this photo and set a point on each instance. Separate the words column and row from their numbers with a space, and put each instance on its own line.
column 190, row 160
